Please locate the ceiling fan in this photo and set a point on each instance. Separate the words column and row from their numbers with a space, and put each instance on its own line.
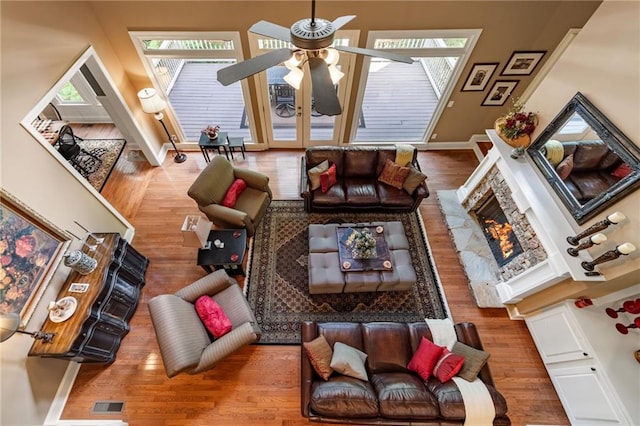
column 312, row 38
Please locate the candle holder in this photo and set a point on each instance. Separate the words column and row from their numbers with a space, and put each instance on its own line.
column 624, row 329
column 596, row 239
column 612, row 219
column 629, row 306
column 621, row 250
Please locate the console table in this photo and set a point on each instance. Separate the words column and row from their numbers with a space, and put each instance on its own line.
column 94, row 332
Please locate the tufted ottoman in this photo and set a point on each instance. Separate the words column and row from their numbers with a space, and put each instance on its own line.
column 325, row 275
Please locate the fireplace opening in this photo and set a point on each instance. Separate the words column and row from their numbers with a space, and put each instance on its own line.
column 498, row 231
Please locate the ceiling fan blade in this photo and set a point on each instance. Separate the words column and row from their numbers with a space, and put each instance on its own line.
column 342, row 21
column 324, row 92
column 237, row 72
column 375, row 53
column 272, row 30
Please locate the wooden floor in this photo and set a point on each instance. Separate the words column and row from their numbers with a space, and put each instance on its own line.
column 260, row 384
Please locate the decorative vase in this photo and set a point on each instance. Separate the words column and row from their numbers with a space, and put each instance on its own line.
column 519, row 143
column 80, row 262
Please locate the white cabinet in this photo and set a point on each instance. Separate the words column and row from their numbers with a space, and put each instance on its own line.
column 579, row 377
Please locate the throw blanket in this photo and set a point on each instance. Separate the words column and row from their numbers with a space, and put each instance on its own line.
column 478, row 405
column 404, row 154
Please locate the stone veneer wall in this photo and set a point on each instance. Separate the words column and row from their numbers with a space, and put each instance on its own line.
column 494, row 184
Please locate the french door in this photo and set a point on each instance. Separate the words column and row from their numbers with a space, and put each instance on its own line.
column 289, row 118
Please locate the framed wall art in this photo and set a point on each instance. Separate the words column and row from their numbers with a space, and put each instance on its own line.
column 479, row 76
column 522, row 63
column 31, row 248
column 500, row 92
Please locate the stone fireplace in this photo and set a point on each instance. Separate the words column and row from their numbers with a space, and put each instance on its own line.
column 494, row 188
column 528, row 236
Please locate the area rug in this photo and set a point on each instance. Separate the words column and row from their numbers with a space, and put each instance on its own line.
column 108, row 151
column 277, row 279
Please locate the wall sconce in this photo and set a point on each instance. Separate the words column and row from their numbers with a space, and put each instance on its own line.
column 10, row 324
column 612, row 219
column 621, row 250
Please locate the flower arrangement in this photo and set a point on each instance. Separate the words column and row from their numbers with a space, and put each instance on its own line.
column 362, row 244
column 211, row 131
column 517, row 123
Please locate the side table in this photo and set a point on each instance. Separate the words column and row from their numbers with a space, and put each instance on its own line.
column 205, row 144
column 230, row 254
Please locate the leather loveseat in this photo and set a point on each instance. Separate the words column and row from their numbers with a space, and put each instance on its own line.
column 393, row 394
column 592, row 172
column 357, row 187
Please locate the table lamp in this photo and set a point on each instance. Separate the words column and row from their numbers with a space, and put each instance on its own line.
column 152, row 103
column 10, row 324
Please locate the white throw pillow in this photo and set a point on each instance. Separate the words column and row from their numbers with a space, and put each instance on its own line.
column 314, row 174
column 349, row 361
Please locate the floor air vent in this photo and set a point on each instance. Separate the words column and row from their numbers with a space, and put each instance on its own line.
column 108, row 407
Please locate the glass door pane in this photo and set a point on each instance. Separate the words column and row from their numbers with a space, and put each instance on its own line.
column 282, row 106
column 184, row 67
column 400, row 99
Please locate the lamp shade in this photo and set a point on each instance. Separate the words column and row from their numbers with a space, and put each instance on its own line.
column 335, row 74
column 9, row 324
column 294, row 78
column 151, row 101
column 332, row 56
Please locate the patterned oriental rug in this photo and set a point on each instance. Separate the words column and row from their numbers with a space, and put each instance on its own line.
column 108, row 150
column 277, row 279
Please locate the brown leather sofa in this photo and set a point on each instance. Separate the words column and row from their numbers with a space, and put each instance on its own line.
column 357, row 187
column 393, row 394
column 593, row 163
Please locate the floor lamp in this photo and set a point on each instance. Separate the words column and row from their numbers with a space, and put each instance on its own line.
column 152, row 103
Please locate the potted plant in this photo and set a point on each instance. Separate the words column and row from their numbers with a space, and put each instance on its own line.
column 211, row 131
column 516, row 127
column 362, row 244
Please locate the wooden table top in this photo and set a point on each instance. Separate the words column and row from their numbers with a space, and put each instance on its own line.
column 67, row 331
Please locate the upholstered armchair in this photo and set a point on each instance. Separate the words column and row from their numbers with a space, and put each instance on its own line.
column 184, row 343
column 211, row 186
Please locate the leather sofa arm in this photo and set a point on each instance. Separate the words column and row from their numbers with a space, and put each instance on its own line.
column 220, row 348
column 304, row 178
column 308, row 331
column 468, row 334
column 211, row 284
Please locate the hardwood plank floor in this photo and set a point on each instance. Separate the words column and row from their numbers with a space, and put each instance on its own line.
column 260, row 384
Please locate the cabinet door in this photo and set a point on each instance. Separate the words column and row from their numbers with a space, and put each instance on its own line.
column 584, row 396
column 558, row 336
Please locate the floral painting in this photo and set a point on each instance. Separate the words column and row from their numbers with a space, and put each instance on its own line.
column 30, row 249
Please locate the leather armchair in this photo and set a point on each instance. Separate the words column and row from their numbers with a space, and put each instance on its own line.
column 212, row 184
column 185, row 344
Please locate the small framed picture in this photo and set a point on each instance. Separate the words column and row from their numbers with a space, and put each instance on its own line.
column 78, row 287
column 479, row 76
column 500, row 92
column 522, row 63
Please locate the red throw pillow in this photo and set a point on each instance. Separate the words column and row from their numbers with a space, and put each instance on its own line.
column 621, row 171
column 448, row 365
column 328, row 178
column 425, row 358
column 234, row 191
column 213, row 317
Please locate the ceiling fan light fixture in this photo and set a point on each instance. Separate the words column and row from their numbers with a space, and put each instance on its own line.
column 294, row 78
column 296, row 60
column 335, row 74
column 330, row 56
